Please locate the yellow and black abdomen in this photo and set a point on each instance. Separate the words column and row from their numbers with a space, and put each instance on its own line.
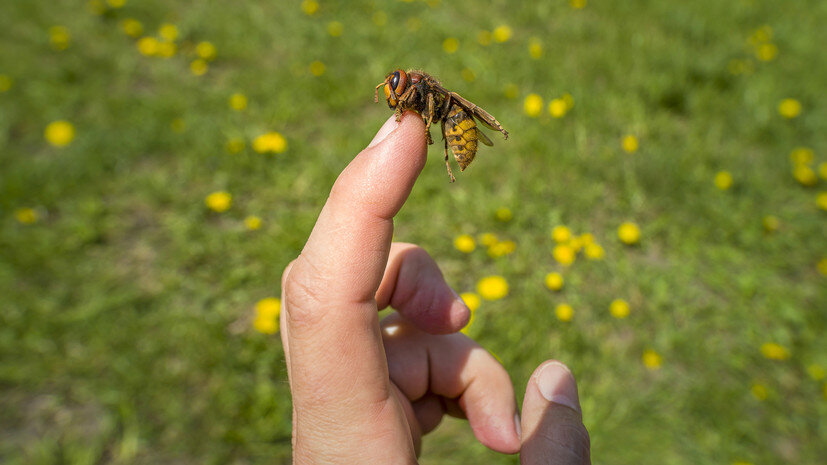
column 462, row 135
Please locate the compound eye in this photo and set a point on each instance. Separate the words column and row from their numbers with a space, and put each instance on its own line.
column 395, row 80
column 403, row 82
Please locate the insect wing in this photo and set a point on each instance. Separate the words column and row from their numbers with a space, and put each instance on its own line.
column 485, row 118
column 483, row 138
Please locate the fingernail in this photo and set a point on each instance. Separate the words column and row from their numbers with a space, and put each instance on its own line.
column 386, row 129
column 517, row 425
column 556, row 384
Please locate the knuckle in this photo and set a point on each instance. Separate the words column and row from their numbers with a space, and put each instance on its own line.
column 300, row 291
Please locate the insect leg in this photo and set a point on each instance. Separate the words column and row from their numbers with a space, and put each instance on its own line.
column 430, row 118
column 447, row 165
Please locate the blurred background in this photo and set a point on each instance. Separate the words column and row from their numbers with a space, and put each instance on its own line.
column 656, row 219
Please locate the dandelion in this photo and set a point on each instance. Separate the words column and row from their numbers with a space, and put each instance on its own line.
column 789, row 108
column 502, row 33
column 564, row 254
column 205, row 50
column 775, row 351
column 577, row 4
column 484, row 38
column 270, row 142
column 629, row 143
column 380, row 18
column 822, row 167
column 594, row 252
column 558, row 108
column 166, row 49
column 723, row 180
column 450, row 45
column 576, row 244
column 554, row 281
column 501, row 248
column 5, row 82
column 59, row 133
column 771, row 223
column 535, row 48
column 219, row 201
column 116, row 3
column 59, row 37
column 561, row 233
column 267, row 315
column 821, row 200
column 488, row 239
column 766, row 52
column 802, row 156
column 468, row 74
column 178, row 125
column 310, row 7
column 199, row 67
column 762, row 34
column 335, row 28
column 822, row 266
column 816, row 371
column 492, row 287
column 511, row 91
column 317, row 68
column 472, row 300
column 759, row 391
column 252, row 222
column 147, row 46
column 805, row 175
column 652, row 360
column 238, row 101
column 465, row 243
column 235, row 145
column 503, row 214
column 629, row 233
column 564, row 312
column 132, row 27
column 25, row 215
column 533, row 105
column 619, row 308
column 168, row 32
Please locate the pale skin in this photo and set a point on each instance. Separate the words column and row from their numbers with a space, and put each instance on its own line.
column 366, row 391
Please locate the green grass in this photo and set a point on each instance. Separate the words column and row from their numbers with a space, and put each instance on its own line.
column 125, row 329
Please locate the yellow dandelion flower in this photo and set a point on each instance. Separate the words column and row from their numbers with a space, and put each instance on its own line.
column 147, row 46
column 413, row 23
column 771, row 223
column 199, row 67
column 59, row 133
column 267, row 315
column 472, row 300
column 652, row 360
column 594, row 252
column 380, row 18
column 775, row 351
column 465, row 243
column 503, row 214
column 335, row 28
column 576, row 244
column 766, row 52
column 587, row 238
column 577, row 4
column 178, row 125
column 723, row 180
column 25, row 215
column 433, row 3
column 629, row 233
column 822, row 266
column 132, row 27
column 310, row 7
column 759, row 391
column 824, row 391
column 558, row 108
column 116, row 3
column 166, row 49
column 501, row 248
column 252, row 222
column 821, row 200
column 533, row 105
column 629, row 143
column 266, row 325
column 59, row 37
column 816, row 371
column 492, row 287
column 566, row 97
column 468, row 75
column 619, row 308
column 235, row 145
column 206, row 50
column 805, row 175
column 168, row 32
column 5, row 82
column 219, row 201
column 488, row 239
column 564, row 312
column 238, row 101
column 789, row 108
column 802, row 156
column 554, row 281
column 317, row 68
column 511, row 91
column 535, row 48
column 762, row 34
column 270, row 142
column 96, row 7
column 450, row 45
column 502, row 33
column 822, row 167
column 564, row 254
column 561, row 233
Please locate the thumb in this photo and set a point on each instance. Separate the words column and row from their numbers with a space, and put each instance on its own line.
column 552, row 424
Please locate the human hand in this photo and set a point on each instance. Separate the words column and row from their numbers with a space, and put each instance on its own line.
column 357, row 399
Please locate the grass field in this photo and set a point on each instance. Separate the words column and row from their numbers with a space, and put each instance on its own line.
column 128, row 322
